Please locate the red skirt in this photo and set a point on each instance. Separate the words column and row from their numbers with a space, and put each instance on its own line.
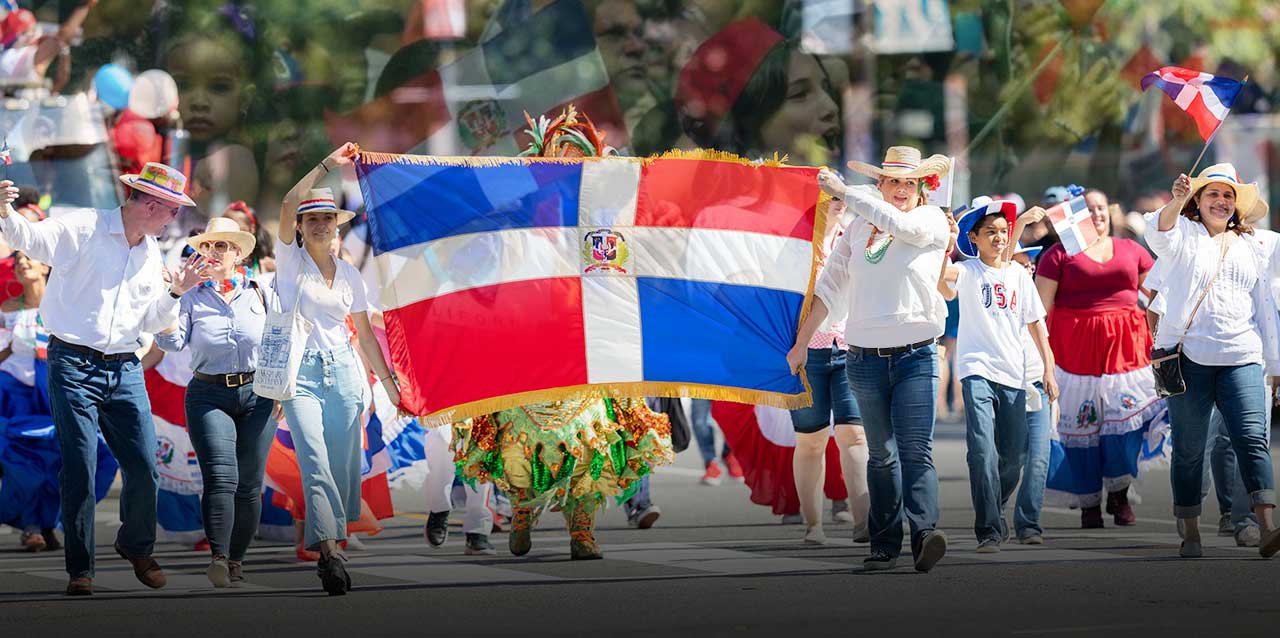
column 1099, row 342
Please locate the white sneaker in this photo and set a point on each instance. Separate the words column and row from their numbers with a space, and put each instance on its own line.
column 814, row 535
column 354, row 544
column 219, row 572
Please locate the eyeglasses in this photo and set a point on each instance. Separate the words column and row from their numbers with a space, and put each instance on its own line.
column 158, row 206
column 219, row 246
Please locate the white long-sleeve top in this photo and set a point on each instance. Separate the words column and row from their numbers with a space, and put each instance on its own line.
column 894, row 302
column 102, row 293
column 1237, row 323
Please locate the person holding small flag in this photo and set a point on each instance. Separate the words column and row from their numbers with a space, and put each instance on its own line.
column 1222, row 329
column 998, row 304
column 1109, row 411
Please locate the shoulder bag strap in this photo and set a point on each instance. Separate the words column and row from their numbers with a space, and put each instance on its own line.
column 1224, row 245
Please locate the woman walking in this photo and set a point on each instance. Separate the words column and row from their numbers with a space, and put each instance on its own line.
column 885, row 271
column 1220, row 327
column 324, row 414
column 220, row 321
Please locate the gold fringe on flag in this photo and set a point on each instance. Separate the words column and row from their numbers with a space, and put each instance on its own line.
column 619, row 390
column 705, row 155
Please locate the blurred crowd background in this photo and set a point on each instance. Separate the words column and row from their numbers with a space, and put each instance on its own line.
column 248, row 95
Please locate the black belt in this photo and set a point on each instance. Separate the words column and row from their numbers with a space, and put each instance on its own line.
column 232, row 380
column 90, row 352
column 889, row 352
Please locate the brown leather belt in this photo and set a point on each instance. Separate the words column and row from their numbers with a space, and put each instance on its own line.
column 232, row 380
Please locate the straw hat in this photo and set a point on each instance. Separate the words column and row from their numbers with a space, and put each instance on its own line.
column 320, row 200
column 162, row 181
column 224, row 229
column 904, row 161
column 1246, row 194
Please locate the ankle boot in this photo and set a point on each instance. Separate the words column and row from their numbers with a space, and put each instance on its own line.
column 520, row 540
column 1118, row 506
column 1091, row 517
column 582, row 527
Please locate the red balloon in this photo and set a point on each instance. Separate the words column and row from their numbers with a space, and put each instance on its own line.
column 136, row 141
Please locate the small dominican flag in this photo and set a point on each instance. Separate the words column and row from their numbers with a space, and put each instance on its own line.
column 4, row 153
column 1072, row 222
column 1206, row 98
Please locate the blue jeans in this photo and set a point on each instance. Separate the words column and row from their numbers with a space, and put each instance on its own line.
column 897, row 396
column 1026, row 512
column 324, row 421
column 996, row 433
column 829, row 385
column 703, row 432
column 88, row 394
column 1240, row 394
column 231, row 430
column 1226, row 476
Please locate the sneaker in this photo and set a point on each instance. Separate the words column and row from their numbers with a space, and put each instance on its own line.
column 813, row 535
column 792, row 519
column 735, row 469
column 479, row 545
column 989, row 546
column 932, row 548
column 840, row 512
column 1182, row 528
column 354, row 544
column 645, row 518
column 437, row 528
column 51, row 540
column 1270, row 544
column 713, row 474
column 1225, row 528
column 1031, row 539
column 219, row 572
column 235, row 569
column 879, row 560
column 333, row 574
column 1248, row 536
column 862, row 533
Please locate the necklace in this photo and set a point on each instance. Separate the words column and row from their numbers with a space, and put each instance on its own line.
column 876, row 250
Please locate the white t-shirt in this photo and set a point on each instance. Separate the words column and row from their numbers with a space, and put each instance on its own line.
column 995, row 308
column 326, row 307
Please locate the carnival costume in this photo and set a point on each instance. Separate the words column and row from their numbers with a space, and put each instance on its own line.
column 568, row 455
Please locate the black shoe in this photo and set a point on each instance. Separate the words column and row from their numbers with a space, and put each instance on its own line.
column 879, row 560
column 51, row 541
column 333, row 575
column 933, row 546
column 479, row 545
column 437, row 529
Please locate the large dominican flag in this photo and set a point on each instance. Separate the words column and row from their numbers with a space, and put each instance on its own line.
column 508, row 281
column 1206, row 98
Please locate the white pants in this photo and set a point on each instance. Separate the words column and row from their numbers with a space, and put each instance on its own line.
column 439, row 484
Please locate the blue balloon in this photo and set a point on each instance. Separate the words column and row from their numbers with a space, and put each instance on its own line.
column 113, row 82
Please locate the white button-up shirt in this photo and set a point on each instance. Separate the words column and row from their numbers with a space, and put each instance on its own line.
column 102, row 293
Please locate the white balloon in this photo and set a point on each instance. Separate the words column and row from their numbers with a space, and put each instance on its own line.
column 154, row 94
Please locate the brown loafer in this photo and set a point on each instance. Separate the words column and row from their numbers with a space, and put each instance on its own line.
column 82, row 586
column 146, row 569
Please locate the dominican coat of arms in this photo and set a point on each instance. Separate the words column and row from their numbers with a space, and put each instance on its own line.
column 605, row 250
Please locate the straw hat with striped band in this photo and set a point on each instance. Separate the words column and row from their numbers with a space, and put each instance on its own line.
column 1246, row 194
column 904, row 161
column 320, row 200
column 162, row 181
column 225, row 229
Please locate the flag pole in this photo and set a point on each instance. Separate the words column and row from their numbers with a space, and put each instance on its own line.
column 1217, row 128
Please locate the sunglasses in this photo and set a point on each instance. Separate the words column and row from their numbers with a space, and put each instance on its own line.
column 219, row 246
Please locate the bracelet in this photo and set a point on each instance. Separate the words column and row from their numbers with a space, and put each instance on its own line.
column 324, row 165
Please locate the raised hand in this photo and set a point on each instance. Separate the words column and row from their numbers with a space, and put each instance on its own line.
column 1181, row 187
column 343, row 155
column 193, row 273
column 954, row 232
column 8, row 193
column 831, row 183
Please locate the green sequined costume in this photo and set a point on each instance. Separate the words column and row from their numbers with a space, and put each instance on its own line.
column 557, row 452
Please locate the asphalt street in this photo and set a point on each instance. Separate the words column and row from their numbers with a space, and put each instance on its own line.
column 713, row 565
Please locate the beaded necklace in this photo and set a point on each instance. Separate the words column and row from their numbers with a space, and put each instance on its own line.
column 876, row 250
column 239, row 279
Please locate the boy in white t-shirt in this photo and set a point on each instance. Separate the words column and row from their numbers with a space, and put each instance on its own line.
column 998, row 303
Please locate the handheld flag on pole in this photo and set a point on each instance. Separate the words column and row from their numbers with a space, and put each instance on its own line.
column 1206, row 98
column 1072, row 222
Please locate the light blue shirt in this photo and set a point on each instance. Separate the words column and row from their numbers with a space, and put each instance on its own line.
column 223, row 337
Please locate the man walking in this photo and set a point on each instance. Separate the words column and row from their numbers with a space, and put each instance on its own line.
column 107, row 287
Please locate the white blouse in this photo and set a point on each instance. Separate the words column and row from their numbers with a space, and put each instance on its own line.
column 894, row 302
column 326, row 306
column 1236, row 323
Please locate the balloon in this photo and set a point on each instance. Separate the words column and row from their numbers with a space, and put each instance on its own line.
column 112, row 82
column 154, row 94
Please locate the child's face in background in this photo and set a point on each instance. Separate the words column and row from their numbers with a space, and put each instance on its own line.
column 211, row 91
